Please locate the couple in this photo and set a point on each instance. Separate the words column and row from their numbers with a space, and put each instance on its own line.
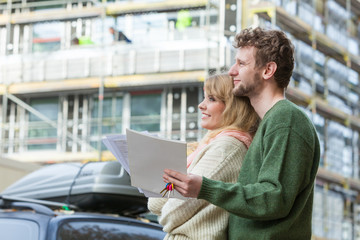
column 271, row 196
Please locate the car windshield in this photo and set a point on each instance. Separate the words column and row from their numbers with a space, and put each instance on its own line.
column 106, row 231
column 18, row 229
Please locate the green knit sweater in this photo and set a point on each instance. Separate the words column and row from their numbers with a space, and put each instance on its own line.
column 274, row 194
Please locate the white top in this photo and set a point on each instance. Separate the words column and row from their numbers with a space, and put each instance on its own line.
column 197, row 219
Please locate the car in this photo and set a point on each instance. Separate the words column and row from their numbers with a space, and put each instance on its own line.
column 93, row 186
column 27, row 219
column 74, row 201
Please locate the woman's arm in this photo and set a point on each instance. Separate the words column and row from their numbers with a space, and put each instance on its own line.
column 220, row 161
column 156, row 204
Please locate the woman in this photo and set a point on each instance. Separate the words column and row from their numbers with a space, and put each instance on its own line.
column 232, row 123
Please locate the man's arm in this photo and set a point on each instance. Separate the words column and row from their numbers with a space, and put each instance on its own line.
column 282, row 176
column 269, row 190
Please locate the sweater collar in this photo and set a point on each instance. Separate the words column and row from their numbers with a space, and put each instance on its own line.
column 275, row 106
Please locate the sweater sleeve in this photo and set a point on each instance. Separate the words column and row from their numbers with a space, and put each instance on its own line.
column 156, row 204
column 283, row 173
column 220, row 162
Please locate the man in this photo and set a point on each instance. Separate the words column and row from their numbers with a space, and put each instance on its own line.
column 274, row 194
column 119, row 35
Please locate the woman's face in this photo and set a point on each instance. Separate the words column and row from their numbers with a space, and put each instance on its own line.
column 211, row 109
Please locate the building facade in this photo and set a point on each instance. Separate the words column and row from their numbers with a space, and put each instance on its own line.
column 66, row 79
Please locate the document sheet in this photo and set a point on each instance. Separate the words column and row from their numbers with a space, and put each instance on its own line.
column 145, row 157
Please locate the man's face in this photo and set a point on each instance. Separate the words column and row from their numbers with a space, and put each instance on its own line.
column 247, row 78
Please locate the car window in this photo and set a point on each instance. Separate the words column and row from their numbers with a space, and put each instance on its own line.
column 18, row 229
column 106, row 231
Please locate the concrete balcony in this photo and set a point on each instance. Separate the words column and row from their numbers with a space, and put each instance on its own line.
column 84, row 63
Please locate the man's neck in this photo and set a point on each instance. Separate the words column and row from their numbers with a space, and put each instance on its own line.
column 265, row 101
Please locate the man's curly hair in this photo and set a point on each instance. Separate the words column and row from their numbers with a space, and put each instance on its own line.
column 271, row 46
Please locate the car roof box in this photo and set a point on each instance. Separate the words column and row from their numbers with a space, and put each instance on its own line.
column 93, row 186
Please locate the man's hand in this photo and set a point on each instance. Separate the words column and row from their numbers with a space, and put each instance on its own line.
column 187, row 185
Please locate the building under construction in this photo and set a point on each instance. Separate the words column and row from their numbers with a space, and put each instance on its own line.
column 74, row 71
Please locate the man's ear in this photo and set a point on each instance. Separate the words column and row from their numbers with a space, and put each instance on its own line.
column 269, row 70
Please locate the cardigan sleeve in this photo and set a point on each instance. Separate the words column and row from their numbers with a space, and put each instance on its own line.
column 156, row 204
column 221, row 161
column 283, row 174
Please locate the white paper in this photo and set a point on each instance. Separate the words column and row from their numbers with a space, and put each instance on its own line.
column 117, row 145
column 149, row 156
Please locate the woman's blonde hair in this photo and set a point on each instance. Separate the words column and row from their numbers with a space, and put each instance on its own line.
column 238, row 113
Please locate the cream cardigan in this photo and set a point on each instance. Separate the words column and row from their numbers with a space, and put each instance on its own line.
column 197, row 219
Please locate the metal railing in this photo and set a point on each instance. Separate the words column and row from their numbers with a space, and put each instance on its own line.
column 117, row 60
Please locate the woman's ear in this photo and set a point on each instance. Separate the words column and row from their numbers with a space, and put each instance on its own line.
column 269, row 70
